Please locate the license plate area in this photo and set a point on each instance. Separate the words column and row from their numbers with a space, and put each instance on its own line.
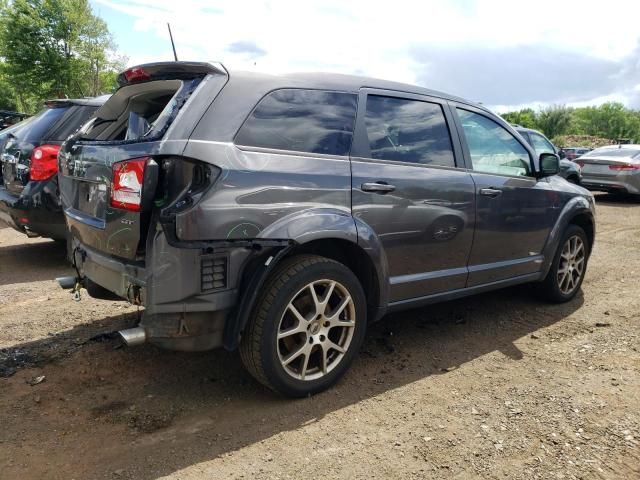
column 594, row 168
column 92, row 199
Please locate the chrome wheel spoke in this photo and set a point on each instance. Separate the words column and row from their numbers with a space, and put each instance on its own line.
column 300, row 328
column 327, row 296
column 335, row 315
column 325, row 355
column 335, row 346
column 305, row 364
column 293, row 356
column 296, row 313
column 314, row 296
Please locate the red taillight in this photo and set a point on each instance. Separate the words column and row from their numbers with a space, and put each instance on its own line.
column 44, row 162
column 136, row 75
column 126, row 184
column 625, row 166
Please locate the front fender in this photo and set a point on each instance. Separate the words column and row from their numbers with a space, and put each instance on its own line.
column 574, row 207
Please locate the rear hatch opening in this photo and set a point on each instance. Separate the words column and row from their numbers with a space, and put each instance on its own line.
column 134, row 113
column 120, row 167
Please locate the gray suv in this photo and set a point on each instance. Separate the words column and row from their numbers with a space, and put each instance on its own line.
column 282, row 214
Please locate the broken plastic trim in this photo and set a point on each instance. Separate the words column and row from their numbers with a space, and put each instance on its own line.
column 239, row 317
column 169, row 228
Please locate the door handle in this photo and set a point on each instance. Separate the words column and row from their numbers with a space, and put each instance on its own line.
column 377, row 187
column 490, row 192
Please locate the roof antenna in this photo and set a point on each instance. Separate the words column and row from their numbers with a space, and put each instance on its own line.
column 173, row 45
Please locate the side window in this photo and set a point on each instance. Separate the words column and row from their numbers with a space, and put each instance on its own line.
column 408, row 131
column 493, row 149
column 311, row 121
column 541, row 144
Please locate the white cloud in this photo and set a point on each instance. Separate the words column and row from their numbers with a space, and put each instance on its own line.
column 376, row 38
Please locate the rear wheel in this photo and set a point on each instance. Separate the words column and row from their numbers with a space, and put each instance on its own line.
column 307, row 326
column 569, row 266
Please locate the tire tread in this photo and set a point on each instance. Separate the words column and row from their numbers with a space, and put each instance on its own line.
column 250, row 343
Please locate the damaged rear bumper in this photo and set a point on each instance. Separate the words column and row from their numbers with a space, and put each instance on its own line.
column 191, row 294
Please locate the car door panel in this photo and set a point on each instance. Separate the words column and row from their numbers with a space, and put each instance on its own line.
column 512, row 229
column 515, row 211
column 424, row 221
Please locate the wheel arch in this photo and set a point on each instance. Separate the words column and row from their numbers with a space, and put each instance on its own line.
column 578, row 211
column 356, row 259
column 330, row 233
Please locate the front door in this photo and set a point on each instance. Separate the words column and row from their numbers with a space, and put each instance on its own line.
column 409, row 185
column 515, row 210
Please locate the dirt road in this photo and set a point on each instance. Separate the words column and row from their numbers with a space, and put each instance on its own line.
column 496, row 386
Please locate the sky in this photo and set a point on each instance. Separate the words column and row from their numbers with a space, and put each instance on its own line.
column 504, row 54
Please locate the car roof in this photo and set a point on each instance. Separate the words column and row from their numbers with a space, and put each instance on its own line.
column 341, row 82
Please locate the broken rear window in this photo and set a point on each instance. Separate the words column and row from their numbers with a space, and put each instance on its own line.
column 139, row 112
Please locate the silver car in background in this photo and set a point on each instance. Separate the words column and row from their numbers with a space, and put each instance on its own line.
column 615, row 169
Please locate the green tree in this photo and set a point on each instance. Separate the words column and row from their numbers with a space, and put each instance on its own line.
column 554, row 120
column 55, row 48
column 609, row 120
column 525, row 118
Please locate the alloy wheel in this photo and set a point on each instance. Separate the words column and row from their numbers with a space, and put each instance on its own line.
column 316, row 329
column 571, row 265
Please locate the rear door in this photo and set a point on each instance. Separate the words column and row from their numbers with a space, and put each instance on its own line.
column 410, row 186
column 515, row 211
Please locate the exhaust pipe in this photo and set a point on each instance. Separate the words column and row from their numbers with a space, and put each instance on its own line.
column 133, row 336
column 67, row 283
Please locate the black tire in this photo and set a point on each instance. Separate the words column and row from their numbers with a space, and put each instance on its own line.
column 259, row 347
column 550, row 287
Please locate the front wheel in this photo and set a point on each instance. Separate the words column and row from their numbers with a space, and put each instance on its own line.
column 569, row 266
column 307, row 326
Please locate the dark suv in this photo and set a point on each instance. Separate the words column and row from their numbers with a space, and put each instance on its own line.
column 569, row 170
column 282, row 214
column 29, row 199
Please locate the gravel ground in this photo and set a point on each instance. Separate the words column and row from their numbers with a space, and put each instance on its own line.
column 495, row 386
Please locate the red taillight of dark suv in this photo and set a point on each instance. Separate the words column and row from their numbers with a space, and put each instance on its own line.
column 44, row 162
column 126, row 184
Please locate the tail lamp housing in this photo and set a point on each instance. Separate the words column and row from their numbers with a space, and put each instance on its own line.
column 126, row 184
column 621, row 167
column 44, row 162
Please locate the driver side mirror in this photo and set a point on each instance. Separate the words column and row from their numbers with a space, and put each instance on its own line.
column 549, row 164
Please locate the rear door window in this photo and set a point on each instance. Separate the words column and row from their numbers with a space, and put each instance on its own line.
column 311, row 121
column 492, row 148
column 410, row 131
